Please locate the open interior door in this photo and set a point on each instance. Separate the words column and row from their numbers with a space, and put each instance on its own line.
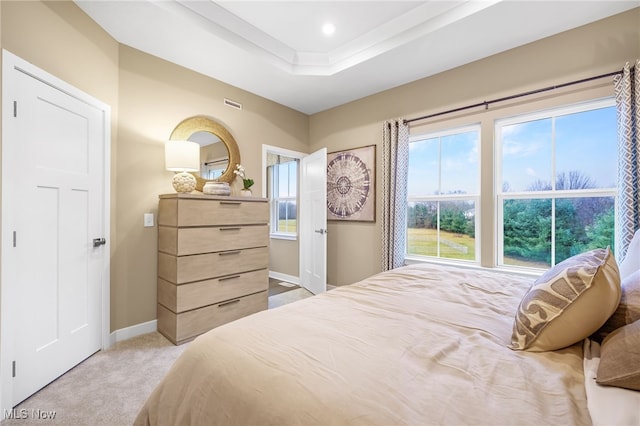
column 313, row 222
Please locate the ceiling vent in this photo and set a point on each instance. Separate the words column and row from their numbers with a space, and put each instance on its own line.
column 232, row 104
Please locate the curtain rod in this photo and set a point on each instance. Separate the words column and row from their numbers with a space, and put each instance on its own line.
column 223, row 160
column 507, row 98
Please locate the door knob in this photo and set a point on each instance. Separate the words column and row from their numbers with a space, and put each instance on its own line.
column 97, row 242
column 321, row 231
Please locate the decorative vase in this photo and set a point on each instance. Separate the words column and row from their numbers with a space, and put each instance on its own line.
column 245, row 192
column 216, row 188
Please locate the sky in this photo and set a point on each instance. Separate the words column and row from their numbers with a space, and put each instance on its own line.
column 288, row 179
column 584, row 142
column 460, row 164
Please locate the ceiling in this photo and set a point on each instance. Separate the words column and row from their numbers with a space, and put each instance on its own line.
column 276, row 49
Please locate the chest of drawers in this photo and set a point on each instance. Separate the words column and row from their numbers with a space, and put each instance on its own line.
column 213, row 262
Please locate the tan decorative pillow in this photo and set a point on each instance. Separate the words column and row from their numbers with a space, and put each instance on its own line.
column 620, row 358
column 569, row 302
column 628, row 310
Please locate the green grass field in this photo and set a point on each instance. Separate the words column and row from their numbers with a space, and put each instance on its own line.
column 424, row 242
column 290, row 225
column 512, row 261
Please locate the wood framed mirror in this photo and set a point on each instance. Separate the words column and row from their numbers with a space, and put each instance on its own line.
column 217, row 161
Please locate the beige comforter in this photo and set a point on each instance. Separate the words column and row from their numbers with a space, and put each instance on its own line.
column 419, row 345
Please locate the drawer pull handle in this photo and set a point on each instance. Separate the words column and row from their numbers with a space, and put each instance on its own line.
column 227, row 253
column 232, row 277
column 231, row 203
column 228, row 303
column 237, row 228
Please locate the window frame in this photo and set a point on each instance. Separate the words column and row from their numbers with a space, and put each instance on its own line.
column 476, row 198
column 275, row 200
column 552, row 194
column 273, row 205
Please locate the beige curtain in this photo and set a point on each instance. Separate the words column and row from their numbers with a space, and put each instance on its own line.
column 627, row 90
column 395, row 168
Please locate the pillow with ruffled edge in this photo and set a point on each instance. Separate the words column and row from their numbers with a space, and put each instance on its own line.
column 568, row 303
column 620, row 358
column 628, row 309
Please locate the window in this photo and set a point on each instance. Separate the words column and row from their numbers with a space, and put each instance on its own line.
column 282, row 190
column 443, row 194
column 555, row 184
column 283, row 197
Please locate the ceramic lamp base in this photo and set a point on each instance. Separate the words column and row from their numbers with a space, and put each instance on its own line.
column 184, row 182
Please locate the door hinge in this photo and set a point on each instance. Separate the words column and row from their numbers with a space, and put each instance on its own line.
column 14, row 238
column 13, row 369
column 15, row 108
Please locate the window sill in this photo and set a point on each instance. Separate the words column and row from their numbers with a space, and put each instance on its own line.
column 278, row 236
column 410, row 260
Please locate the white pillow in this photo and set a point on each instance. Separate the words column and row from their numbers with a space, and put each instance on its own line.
column 631, row 261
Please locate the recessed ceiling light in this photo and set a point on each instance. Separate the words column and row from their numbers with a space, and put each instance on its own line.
column 328, row 29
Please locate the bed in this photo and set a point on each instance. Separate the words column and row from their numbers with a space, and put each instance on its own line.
column 417, row 345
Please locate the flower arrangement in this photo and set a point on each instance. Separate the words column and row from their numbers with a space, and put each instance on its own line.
column 246, row 182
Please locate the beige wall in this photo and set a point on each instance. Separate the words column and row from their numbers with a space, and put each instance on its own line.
column 604, row 46
column 148, row 98
column 60, row 39
column 284, row 257
column 155, row 96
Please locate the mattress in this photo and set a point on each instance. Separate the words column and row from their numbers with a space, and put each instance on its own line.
column 418, row 345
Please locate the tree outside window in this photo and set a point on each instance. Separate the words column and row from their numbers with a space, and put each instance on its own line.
column 557, row 184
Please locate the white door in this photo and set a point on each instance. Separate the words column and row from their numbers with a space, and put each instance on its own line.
column 53, row 206
column 313, row 222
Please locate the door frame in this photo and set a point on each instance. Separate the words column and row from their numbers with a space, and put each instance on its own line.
column 266, row 149
column 12, row 64
column 299, row 237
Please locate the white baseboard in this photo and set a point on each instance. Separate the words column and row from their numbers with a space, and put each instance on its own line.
column 284, row 277
column 133, row 331
column 151, row 326
column 290, row 278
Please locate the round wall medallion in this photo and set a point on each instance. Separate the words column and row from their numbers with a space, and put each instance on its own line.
column 348, row 185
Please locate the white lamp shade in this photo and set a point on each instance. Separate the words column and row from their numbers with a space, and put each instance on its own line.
column 182, row 156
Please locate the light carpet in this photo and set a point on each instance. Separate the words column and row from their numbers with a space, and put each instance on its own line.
column 106, row 389
column 110, row 387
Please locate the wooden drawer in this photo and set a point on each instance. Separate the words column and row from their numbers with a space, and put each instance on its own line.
column 211, row 212
column 185, row 241
column 199, row 267
column 182, row 327
column 185, row 297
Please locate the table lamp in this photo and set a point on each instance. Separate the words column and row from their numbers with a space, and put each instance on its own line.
column 182, row 157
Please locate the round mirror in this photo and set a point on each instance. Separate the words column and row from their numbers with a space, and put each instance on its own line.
column 219, row 151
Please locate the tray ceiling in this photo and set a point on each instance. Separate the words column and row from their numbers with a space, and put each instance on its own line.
column 277, row 49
